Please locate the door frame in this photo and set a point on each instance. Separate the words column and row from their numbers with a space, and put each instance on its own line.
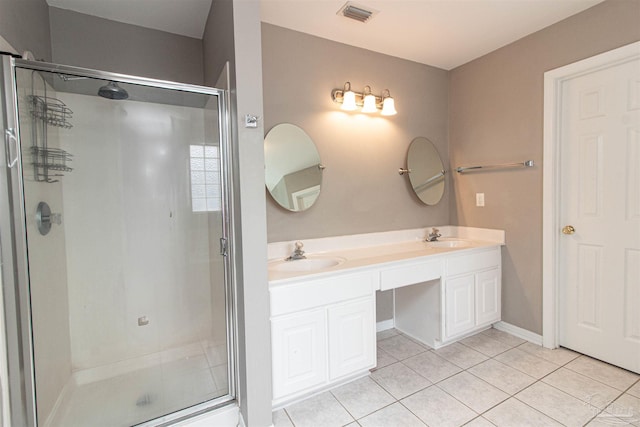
column 551, row 183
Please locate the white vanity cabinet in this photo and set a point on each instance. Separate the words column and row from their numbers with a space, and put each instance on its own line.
column 322, row 332
column 472, row 288
column 323, row 321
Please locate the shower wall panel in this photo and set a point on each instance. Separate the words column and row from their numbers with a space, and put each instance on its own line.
column 137, row 255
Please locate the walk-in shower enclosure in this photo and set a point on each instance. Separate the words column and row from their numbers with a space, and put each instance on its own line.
column 116, row 262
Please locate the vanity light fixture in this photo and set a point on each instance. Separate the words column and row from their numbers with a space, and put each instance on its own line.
column 368, row 102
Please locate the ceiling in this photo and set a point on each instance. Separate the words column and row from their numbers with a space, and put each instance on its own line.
column 442, row 33
column 184, row 17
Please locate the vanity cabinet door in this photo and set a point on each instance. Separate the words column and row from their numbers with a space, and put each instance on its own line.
column 488, row 297
column 299, row 351
column 352, row 335
column 459, row 305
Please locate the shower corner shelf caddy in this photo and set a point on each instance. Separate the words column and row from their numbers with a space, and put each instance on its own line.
column 49, row 112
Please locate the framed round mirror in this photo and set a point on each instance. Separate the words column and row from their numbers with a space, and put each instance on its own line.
column 293, row 173
column 426, row 172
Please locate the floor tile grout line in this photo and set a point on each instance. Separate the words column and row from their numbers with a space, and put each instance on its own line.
column 377, row 410
column 621, row 393
column 509, row 395
column 544, row 413
column 495, row 386
column 599, row 411
column 547, row 360
column 413, row 413
column 520, row 370
column 595, row 379
column 520, row 391
column 289, row 417
column 488, row 355
column 537, row 410
column 373, row 412
column 418, row 391
column 343, row 407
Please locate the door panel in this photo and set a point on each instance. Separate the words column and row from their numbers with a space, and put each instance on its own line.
column 351, row 337
column 459, row 305
column 599, row 292
column 487, row 297
column 632, row 295
column 299, row 352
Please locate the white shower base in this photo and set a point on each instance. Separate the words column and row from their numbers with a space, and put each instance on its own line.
column 136, row 390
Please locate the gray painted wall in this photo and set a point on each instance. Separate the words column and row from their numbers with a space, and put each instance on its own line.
column 218, row 42
column 496, row 115
column 25, row 25
column 92, row 42
column 233, row 35
column 361, row 189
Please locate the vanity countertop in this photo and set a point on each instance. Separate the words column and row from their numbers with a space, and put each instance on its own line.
column 365, row 251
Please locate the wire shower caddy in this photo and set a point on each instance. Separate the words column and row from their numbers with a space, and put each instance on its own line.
column 48, row 162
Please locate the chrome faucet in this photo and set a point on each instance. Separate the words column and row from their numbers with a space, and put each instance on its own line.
column 298, row 253
column 433, row 236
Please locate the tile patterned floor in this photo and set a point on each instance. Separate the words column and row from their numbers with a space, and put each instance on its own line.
column 489, row 379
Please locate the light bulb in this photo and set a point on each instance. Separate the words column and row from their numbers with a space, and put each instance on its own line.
column 369, row 104
column 349, row 101
column 388, row 107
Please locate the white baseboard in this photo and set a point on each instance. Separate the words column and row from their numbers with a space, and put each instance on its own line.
column 519, row 332
column 384, row 325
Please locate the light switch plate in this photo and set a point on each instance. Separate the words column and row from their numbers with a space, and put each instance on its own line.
column 480, row 199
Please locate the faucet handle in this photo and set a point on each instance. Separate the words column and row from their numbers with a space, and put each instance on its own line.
column 299, row 245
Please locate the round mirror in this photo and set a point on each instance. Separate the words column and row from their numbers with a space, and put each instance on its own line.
column 293, row 172
column 426, row 171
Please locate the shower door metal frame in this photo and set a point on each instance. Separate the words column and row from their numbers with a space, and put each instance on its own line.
column 14, row 249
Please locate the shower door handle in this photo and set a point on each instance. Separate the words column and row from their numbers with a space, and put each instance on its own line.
column 223, row 246
column 9, row 140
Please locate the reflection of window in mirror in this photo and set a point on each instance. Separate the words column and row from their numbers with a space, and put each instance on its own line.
column 427, row 174
column 206, row 192
column 293, row 174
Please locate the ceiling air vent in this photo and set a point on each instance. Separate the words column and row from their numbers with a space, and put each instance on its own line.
column 357, row 12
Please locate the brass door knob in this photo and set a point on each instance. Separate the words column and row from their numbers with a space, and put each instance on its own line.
column 568, row 229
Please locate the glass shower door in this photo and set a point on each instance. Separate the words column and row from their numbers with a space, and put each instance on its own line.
column 125, row 213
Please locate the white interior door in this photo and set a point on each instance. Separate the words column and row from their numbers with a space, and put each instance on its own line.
column 599, row 257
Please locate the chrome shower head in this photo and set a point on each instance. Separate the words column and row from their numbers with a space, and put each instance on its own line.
column 113, row 91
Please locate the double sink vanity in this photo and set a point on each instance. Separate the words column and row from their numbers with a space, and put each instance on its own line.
column 323, row 294
column 323, row 307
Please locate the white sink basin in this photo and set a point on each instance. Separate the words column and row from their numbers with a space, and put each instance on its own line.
column 449, row 243
column 308, row 264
